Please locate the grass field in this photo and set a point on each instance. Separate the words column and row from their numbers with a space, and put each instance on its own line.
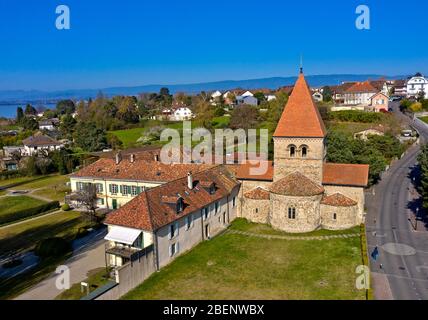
column 12, row 204
column 232, row 266
column 24, row 236
column 52, row 187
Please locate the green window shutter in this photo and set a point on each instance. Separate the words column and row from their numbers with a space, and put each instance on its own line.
column 121, row 189
column 110, row 188
column 138, row 190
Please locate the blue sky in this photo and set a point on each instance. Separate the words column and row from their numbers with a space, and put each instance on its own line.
column 135, row 42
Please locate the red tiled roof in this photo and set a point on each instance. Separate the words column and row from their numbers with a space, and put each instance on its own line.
column 338, row 200
column 148, row 212
column 296, row 184
column 361, row 87
column 139, row 170
column 300, row 117
column 257, row 194
column 242, row 171
column 345, row 174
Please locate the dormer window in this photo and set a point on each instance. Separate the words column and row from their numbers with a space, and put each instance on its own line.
column 209, row 186
column 180, row 205
column 175, row 202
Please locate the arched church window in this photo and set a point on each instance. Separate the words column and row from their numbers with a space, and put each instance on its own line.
column 292, row 150
column 291, row 213
column 304, row 151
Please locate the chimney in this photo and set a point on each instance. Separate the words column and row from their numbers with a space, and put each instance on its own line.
column 118, row 158
column 156, row 157
column 132, row 158
column 190, row 180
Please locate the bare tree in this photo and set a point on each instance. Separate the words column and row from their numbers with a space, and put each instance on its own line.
column 87, row 197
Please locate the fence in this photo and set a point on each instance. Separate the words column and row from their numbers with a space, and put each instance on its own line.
column 130, row 275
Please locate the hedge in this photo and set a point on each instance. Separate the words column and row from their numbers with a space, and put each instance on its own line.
column 355, row 116
column 25, row 213
column 5, row 175
column 364, row 254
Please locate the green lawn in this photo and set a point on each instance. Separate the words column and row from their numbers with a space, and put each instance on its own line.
column 232, row 266
column 424, row 119
column 10, row 204
column 52, row 187
column 24, row 236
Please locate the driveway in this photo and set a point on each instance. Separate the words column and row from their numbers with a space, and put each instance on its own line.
column 88, row 254
column 401, row 269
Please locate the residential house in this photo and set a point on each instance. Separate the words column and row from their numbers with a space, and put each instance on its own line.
column 120, row 179
column 317, row 96
column 49, row 124
column 416, row 85
column 399, row 87
column 339, row 91
column 248, row 100
column 359, row 94
column 173, row 217
column 40, row 142
column 379, row 101
column 182, row 114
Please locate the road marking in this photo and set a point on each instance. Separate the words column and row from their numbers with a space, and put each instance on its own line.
column 419, row 268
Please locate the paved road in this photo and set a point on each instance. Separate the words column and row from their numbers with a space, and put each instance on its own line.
column 88, row 254
column 401, row 270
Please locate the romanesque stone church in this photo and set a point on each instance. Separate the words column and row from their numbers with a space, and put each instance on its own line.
column 301, row 192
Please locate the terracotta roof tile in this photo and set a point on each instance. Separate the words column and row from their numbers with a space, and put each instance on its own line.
column 300, row 117
column 361, row 87
column 345, row 174
column 148, row 212
column 338, row 200
column 242, row 171
column 257, row 194
column 296, row 184
column 139, row 170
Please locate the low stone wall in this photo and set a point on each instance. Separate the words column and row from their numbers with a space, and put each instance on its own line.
column 131, row 275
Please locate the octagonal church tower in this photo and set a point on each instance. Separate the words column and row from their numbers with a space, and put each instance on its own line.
column 299, row 138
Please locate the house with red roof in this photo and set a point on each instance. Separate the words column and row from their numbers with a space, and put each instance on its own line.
column 359, row 93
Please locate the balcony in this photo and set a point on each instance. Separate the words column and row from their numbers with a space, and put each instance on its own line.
column 121, row 250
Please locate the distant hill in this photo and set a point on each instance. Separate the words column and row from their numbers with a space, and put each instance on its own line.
column 270, row 83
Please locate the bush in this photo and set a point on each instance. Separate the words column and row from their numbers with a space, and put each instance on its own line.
column 52, row 247
column 355, row 116
column 25, row 213
column 65, row 207
column 4, row 175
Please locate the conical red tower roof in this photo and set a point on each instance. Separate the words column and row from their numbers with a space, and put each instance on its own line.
column 300, row 117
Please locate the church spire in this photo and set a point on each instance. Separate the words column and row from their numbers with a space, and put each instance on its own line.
column 300, row 117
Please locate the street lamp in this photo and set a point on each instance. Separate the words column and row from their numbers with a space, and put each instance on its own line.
column 416, row 223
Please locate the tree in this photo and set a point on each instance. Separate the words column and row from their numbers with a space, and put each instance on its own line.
column 88, row 198
column 90, row 138
column 19, row 115
column 30, row 110
column 260, row 97
column 67, row 126
column 164, row 92
column 423, row 165
column 30, row 124
column 204, row 113
column 244, row 117
column 65, row 107
column 327, row 94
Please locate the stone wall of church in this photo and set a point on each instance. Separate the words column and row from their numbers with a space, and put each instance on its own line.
column 311, row 165
column 256, row 210
column 247, row 185
column 355, row 193
column 337, row 218
column 307, row 213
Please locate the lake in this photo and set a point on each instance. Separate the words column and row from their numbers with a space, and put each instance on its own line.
column 9, row 110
